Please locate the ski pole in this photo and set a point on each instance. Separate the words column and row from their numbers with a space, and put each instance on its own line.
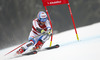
column 15, row 49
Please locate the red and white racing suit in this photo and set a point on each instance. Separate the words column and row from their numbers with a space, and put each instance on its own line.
column 36, row 38
column 34, row 32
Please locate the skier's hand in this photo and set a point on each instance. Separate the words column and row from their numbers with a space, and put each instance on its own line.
column 42, row 31
column 49, row 32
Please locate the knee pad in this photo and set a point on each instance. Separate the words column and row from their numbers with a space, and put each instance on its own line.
column 31, row 39
column 29, row 43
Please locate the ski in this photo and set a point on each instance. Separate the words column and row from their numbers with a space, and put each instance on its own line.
column 47, row 48
column 30, row 53
column 52, row 47
column 35, row 51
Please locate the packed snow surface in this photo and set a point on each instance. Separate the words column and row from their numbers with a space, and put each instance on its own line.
column 87, row 48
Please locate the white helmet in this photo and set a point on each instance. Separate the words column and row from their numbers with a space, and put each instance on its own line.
column 42, row 16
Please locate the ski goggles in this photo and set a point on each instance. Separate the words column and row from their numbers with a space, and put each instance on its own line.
column 43, row 19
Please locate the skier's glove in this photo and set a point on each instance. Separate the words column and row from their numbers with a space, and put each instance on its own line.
column 42, row 31
column 49, row 32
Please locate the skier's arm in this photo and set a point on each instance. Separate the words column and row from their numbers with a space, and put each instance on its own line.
column 49, row 29
column 40, row 30
column 36, row 26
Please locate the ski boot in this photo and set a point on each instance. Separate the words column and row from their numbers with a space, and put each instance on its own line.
column 38, row 45
column 21, row 50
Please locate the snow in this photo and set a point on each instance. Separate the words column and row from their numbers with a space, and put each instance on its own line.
column 87, row 48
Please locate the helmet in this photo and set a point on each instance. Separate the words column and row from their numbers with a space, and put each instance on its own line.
column 42, row 16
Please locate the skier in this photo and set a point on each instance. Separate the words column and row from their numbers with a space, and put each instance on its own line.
column 40, row 33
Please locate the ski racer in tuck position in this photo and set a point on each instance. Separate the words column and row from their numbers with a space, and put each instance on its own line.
column 40, row 33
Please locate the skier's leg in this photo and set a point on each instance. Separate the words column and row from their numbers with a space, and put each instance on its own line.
column 28, row 44
column 25, row 47
column 38, row 45
column 41, row 41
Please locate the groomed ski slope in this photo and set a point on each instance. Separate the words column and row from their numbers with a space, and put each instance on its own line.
column 87, row 48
